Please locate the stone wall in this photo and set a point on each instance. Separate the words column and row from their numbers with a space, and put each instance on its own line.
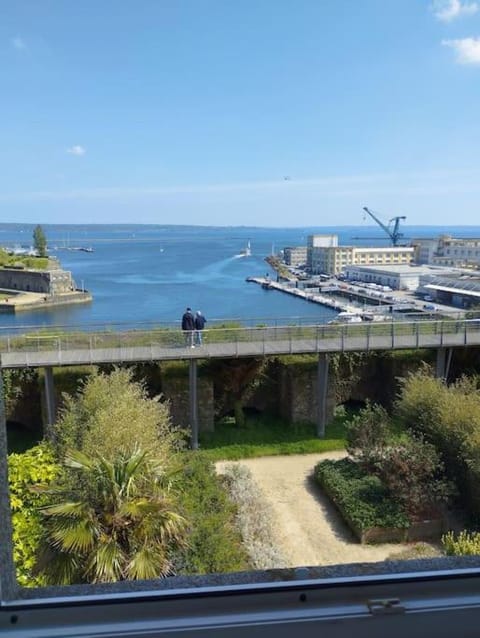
column 48, row 282
column 27, row 409
column 298, row 394
column 175, row 390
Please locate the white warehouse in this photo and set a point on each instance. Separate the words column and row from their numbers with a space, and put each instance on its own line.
column 398, row 277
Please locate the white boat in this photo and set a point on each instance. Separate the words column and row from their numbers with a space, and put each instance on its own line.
column 248, row 250
column 347, row 317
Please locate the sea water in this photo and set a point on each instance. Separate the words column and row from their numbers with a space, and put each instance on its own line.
column 150, row 274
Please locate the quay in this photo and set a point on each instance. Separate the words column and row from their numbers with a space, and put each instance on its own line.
column 323, row 300
column 13, row 301
column 23, row 289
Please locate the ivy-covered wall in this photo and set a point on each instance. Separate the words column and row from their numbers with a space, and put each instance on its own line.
column 175, row 390
column 286, row 387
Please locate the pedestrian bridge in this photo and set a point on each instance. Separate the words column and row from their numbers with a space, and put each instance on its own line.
column 53, row 348
column 46, row 349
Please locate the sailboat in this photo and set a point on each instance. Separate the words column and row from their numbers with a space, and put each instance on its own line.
column 247, row 251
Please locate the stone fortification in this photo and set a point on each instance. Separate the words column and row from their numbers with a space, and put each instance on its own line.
column 53, row 281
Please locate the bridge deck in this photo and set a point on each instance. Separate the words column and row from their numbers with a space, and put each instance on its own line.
column 78, row 348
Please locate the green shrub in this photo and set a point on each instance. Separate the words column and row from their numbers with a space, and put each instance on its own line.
column 449, row 418
column 111, row 412
column 413, row 473
column 214, row 544
column 362, row 499
column 37, row 466
column 465, row 544
column 368, row 434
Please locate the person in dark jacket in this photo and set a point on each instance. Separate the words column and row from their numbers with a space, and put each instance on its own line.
column 188, row 326
column 200, row 322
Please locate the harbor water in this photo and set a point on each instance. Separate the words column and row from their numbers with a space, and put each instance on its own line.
column 149, row 274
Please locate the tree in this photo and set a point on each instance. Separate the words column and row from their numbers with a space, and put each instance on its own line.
column 111, row 412
column 40, row 241
column 115, row 522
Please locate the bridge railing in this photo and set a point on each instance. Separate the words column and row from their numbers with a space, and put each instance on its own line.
column 290, row 337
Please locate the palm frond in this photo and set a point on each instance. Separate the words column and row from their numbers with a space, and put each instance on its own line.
column 69, row 509
column 106, row 563
column 74, row 537
column 149, row 562
column 59, row 568
column 78, row 460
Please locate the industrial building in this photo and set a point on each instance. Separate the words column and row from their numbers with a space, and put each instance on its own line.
column 454, row 289
column 295, row 255
column 396, row 277
column 448, row 251
column 324, row 255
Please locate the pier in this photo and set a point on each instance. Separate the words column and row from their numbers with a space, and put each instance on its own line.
column 14, row 301
column 323, row 300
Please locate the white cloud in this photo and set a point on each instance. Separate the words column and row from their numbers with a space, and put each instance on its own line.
column 448, row 10
column 18, row 43
column 467, row 50
column 77, row 150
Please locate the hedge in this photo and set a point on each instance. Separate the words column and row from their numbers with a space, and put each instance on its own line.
column 362, row 500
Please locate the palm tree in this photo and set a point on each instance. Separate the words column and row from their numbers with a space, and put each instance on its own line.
column 117, row 522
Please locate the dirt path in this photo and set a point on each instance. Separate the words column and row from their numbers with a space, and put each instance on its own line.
column 308, row 528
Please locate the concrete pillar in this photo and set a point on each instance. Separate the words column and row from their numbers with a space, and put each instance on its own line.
column 193, row 396
column 322, row 385
column 442, row 367
column 8, row 582
column 50, row 396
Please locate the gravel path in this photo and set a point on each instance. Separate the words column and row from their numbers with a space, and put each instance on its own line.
column 309, row 531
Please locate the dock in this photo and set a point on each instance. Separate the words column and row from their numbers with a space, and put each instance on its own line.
column 15, row 301
column 320, row 299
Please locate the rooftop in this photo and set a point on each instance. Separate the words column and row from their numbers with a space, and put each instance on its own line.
column 406, row 269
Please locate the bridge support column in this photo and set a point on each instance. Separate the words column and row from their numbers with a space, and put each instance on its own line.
column 192, row 379
column 442, row 367
column 50, row 395
column 8, row 581
column 322, row 385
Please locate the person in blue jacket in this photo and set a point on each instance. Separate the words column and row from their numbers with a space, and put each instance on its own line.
column 188, row 326
column 200, row 322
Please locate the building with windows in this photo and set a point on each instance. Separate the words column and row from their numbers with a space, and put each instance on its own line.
column 332, row 259
column 448, row 251
column 315, row 243
column 295, row 255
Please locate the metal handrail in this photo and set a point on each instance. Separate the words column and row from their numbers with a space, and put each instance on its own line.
column 313, row 333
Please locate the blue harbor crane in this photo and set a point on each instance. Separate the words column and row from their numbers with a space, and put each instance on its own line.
column 394, row 233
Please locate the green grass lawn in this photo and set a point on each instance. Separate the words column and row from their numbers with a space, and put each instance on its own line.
column 265, row 437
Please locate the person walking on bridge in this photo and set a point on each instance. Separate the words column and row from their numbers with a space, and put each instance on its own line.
column 188, row 326
column 200, row 322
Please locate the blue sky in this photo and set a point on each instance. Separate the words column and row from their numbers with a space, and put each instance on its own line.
column 175, row 111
